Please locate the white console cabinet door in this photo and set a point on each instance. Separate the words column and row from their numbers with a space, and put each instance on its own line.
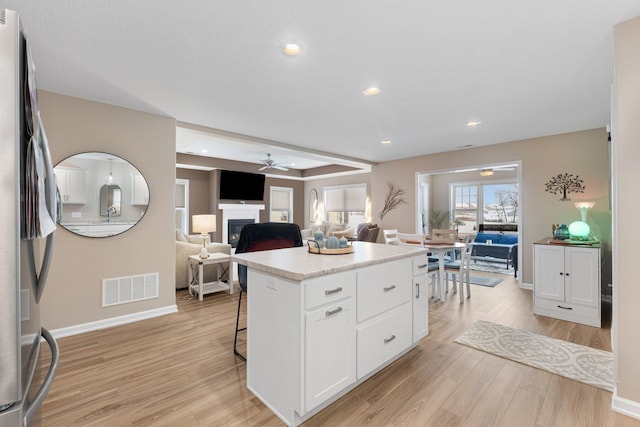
column 548, row 275
column 582, row 275
column 330, row 350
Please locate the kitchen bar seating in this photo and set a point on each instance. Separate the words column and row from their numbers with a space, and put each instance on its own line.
column 261, row 237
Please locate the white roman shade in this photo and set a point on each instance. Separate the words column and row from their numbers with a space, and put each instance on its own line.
column 280, row 200
column 345, row 198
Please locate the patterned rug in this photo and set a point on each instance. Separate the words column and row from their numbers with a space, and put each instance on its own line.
column 573, row 361
column 491, row 267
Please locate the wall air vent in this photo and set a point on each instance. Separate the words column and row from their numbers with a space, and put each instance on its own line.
column 121, row 290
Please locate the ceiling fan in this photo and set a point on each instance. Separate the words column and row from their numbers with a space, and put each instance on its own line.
column 270, row 164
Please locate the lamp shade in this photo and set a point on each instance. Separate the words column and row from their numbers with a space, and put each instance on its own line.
column 204, row 223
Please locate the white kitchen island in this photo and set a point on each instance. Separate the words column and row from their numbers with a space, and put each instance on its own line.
column 319, row 325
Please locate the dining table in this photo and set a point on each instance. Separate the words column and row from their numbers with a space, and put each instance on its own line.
column 440, row 249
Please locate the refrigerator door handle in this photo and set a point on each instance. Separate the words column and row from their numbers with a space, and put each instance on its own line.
column 51, row 200
column 33, row 406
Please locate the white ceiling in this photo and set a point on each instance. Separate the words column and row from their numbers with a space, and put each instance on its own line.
column 525, row 69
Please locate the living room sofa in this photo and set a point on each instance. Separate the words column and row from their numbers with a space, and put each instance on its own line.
column 502, row 249
column 187, row 245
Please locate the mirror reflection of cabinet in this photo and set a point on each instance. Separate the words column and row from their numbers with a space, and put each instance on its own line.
column 71, row 184
column 105, row 194
column 139, row 190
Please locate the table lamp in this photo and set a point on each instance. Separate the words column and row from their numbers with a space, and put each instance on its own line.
column 204, row 224
column 580, row 230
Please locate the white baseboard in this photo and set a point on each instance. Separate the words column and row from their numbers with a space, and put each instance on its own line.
column 624, row 406
column 526, row 286
column 113, row 321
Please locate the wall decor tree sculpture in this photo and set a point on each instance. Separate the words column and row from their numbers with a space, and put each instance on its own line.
column 393, row 197
column 565, row 183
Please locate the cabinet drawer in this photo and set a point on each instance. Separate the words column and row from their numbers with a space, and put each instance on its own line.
column 420, row 265
column 382, row 287
column 382, row 339
column 566, row 311
column 326, row 289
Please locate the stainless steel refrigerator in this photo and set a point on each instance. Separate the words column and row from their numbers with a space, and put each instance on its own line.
column 28, row 212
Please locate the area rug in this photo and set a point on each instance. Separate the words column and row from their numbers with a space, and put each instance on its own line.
column 573, row 361
column 491, row 267
column 491, row 282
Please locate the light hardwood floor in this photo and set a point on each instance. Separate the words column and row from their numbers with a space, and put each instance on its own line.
column 179, row 370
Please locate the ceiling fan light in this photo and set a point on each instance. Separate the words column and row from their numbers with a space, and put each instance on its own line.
column 371, row 91
column 291, row 49
column 486, row 172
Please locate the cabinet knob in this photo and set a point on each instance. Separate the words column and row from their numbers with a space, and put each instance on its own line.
column 566, row 274
column 561, row 273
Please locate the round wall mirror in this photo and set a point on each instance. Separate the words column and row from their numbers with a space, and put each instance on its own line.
column 101, row 194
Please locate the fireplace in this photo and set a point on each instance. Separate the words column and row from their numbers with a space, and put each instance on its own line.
column 234, row 227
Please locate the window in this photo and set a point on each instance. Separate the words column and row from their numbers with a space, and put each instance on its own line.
column 281, row 204
column 182, row 205
column 465, row 207
column 487, row 204
column 345, row 204
column 500, row 203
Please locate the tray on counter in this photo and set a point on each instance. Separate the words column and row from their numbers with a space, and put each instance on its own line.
column 314, row 248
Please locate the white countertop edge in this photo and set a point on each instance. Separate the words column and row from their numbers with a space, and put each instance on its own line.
column 298, row 264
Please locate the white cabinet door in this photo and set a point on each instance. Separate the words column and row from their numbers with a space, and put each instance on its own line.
column 420, row 307
column 71, row 184
column 330, row 351
column 582, row 272
column 139, row 190
column 548, row 272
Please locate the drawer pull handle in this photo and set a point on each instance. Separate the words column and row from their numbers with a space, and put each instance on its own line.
column 389, row 288
column 388, row 340
column 332, row 312
column 423, row 265
column 565, row 308
column 333, row 291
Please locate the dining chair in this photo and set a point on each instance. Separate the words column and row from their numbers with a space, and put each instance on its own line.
column 261, row 237
column 444, row 235
column 410, row 239
column 390, row 236
column 460, row 268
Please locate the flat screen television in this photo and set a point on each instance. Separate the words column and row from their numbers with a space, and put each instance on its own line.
column 241, row 185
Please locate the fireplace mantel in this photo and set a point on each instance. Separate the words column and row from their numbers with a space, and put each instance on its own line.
column 237, row 211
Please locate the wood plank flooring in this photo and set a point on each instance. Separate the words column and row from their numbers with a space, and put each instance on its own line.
column 179, row 370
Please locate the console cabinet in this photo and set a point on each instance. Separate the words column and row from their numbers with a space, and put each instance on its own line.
column 310, row 341
column 566, row 282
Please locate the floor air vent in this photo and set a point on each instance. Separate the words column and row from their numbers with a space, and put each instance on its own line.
column 121, row 290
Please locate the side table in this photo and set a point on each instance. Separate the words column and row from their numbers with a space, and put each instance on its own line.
column 196, row 276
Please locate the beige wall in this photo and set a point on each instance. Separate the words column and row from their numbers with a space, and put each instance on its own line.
column 74, row 289
column 580, row 153
column 626, row 152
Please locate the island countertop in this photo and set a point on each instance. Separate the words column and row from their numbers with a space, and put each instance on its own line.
column 299, row 264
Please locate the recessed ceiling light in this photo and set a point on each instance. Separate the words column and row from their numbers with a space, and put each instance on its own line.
column 486, row 172
column 385, row 141
column 370, row 91
column 473, row 123
column 204, row 150
column 291, row 49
